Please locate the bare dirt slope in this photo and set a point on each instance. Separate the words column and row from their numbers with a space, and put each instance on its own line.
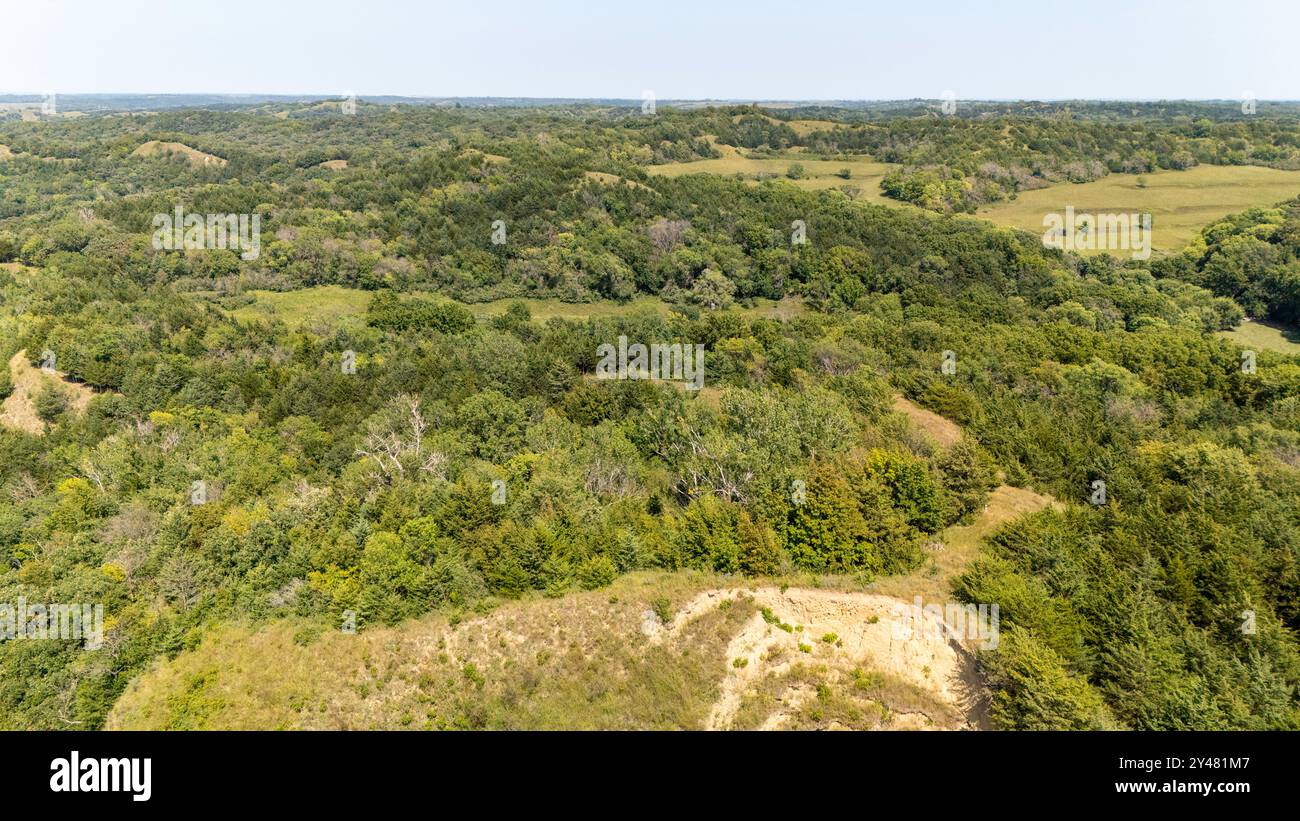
column 804, row 642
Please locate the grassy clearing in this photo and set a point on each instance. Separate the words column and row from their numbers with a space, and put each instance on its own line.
column 1181, row 202
column 490, row 159
column 805, row 127
column 1265, row 336
column 19, row 408
column 944, row 431
column 196, row 158
column 865, row 175
column 322, row 303
column 334, row 303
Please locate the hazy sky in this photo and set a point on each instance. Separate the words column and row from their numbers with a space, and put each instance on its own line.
column 799, row 49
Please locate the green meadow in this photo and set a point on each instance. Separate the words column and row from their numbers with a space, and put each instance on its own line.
column 1264, row 336
column 1181, row 203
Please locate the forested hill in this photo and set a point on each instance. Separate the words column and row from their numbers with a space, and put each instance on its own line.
column 431, row 452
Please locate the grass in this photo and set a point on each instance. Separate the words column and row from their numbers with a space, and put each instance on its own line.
column 805, row 127
column 196, row 157
column 340, row 305
column 818, row 174
column 1265, row 336
column 1181, row 202
column 961, row 545
column 580, row 662
column 326, row 303
column 18, row 410
column 614, row 179
column 944, row 431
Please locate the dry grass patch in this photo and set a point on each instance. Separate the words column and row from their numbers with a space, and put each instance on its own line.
column 864, row 175
column 614, row 179
column 19, row 409
column 944, row 431
column 483, row 156
column 196, row 158
column 957, row 546
column 805, row 127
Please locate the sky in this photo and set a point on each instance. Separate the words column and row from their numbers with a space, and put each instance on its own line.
column 793, row 50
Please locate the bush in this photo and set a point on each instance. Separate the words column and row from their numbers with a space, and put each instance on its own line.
column 50, row 403
column 596, row 572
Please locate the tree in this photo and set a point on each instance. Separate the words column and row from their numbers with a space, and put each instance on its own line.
column 712, row 290
column 50, row 402
column 1032, row 690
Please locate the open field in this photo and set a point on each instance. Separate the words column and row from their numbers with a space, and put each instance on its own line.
column 1265, row 337
column 818, row 174
column 1181, row 202
column 323, row 302
column 944, row 431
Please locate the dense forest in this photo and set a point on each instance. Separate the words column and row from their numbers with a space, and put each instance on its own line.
column 430, row 457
